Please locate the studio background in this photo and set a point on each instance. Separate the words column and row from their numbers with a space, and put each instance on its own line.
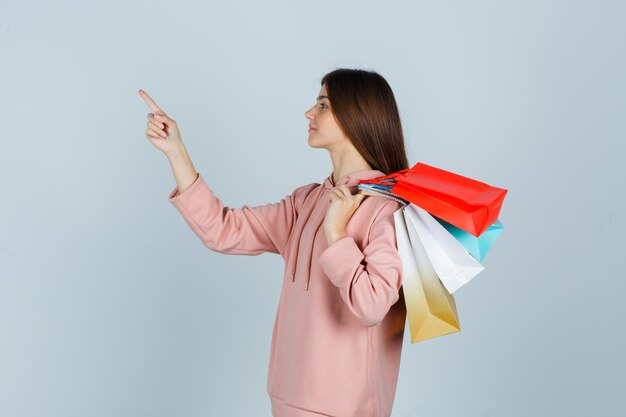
column 111, row 306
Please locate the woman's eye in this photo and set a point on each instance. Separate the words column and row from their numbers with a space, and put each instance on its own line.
column 323, row 105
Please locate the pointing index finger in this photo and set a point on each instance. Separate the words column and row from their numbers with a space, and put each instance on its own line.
column 150, row 102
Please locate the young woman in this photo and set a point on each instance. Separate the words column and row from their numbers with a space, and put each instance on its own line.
column 339, row 325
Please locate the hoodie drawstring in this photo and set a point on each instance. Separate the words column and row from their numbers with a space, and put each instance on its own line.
column 295, row 245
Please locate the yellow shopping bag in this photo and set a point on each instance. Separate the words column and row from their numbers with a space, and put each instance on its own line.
column 431, row 309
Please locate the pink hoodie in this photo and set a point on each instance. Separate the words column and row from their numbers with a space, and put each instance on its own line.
column 339, row 325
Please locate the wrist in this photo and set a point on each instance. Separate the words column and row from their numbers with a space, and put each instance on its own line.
column 334, row 235
column 178, row 152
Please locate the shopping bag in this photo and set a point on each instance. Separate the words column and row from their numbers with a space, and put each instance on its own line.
column 431, row 309
column 454, row 265
column 476, row 246
column 466, row 203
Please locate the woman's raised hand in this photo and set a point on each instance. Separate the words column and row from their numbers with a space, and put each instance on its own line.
column 162, row 130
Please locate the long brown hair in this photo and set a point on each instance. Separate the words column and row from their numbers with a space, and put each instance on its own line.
column 365, row 109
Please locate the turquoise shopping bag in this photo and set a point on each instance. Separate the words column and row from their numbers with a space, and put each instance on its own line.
column 476, row 246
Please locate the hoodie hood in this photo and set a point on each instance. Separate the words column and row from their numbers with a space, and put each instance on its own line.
column 315, row 213
column 351, row 180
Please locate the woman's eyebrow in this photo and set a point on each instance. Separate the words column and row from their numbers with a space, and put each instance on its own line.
column 321, row 97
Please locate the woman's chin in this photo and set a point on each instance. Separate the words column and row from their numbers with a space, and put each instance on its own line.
column 315, row 142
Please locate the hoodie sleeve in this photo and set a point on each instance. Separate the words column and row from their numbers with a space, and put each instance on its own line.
column 369, row 280
column 249, row 230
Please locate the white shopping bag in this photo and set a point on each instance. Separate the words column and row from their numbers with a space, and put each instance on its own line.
column 454, row 265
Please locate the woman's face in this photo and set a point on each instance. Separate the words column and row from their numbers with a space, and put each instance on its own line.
column 324, row 130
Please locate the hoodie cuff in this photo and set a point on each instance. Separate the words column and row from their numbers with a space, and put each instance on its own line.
column 175, row 195
column 340, row 260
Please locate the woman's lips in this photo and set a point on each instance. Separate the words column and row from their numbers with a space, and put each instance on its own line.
column 311, row 129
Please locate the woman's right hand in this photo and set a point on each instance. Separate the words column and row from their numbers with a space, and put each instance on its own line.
column 162, row 130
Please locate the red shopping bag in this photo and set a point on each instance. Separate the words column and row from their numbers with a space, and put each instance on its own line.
column 466, row 203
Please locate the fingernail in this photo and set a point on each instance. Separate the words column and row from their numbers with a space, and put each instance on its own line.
column 156, row 116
